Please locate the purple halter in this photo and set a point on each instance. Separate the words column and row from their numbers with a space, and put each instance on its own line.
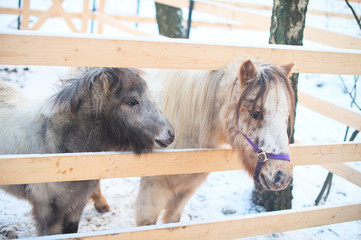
column 262, row 157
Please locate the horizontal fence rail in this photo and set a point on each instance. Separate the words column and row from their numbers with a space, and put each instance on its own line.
column 344, row 171
column 340, row 114
column 254, row 21
column 85, row 50
column 27, row 48
column 229, row 10
column 269, row 8
column 18, row 169
column 232, row 227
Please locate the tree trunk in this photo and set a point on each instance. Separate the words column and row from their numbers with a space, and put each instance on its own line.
column 170, row 21
column 287, row 25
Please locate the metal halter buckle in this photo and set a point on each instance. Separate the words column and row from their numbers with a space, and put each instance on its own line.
column 262, row 156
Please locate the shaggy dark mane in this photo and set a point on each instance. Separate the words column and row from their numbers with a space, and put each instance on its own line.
column 74, row 89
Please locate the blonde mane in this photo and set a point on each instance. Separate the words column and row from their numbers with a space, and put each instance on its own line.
column 198, row 90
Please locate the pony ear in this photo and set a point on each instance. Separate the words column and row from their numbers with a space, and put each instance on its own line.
column 287, row 68
column 107, row 81
column 246, row 72
column 109, row 78
column 104, row 79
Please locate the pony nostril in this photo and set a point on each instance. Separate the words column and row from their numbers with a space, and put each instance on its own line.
column 171, row 136
column 279, row 178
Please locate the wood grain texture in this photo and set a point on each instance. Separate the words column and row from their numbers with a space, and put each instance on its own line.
column 345, row 172
column 24, row 48
column 340, row 114
column 253, row 21
column 17, row 169
column 232, row 227
column 104, row 19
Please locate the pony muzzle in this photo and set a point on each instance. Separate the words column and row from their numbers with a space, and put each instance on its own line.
column 274, row 175
column 165, row 139
column 270, row 181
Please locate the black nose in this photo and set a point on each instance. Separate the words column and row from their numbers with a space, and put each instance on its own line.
column 279, row 178
column 166, row 142
column 171, row 136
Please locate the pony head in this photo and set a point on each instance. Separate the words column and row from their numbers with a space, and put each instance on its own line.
column 112, row 108
column 264, row 110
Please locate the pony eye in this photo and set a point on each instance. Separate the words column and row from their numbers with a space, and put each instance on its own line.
column 257, row 115
column 132, row 102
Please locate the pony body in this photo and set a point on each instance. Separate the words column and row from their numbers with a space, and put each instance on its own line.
column 211, row 108
column 104, row 109
column 11, row 101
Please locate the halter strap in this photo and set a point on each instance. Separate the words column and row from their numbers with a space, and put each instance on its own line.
column 262, row 157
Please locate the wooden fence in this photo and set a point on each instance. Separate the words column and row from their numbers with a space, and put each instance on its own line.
column 31, row 48
column 232, row 11
column 24, row 48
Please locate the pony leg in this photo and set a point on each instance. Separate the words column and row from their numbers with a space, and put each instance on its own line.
column 48, row 218
column 100, row 203
column 57, row 212
column 47, row 215
column 76, row 202
column 185, row 189
column 71, row 220
column 176, row 205
column 152, row 199
column 52, row 220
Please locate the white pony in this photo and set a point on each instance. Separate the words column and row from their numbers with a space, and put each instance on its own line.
column 247, row 104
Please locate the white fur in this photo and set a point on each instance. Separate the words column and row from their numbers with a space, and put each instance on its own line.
column 202, row 107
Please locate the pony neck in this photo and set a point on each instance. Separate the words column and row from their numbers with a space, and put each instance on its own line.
column 230, row 91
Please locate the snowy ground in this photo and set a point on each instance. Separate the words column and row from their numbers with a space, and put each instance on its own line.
column 223, row 190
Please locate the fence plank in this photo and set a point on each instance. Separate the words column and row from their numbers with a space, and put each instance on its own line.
column 345, row 172
column 101, row 11
column 17, row 169
column 91, row 15
column 262, row 23
column 44, row 16
column 104, row 19
column 222, row 10
column 84, row 17
column 25, row 15
column 332, row 39
column 333, row 111
column 66, row 17
column 29, row 48
column 232, row 227
column 253, row 21
column 62, row 167
column 269, row 8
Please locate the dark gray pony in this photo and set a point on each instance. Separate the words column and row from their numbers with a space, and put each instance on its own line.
column 104, row 109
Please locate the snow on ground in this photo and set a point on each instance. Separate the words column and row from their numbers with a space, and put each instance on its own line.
column 232, row 190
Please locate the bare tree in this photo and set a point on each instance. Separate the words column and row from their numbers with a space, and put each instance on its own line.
column 287, row 25
column 170, row 21
column 358, row 19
